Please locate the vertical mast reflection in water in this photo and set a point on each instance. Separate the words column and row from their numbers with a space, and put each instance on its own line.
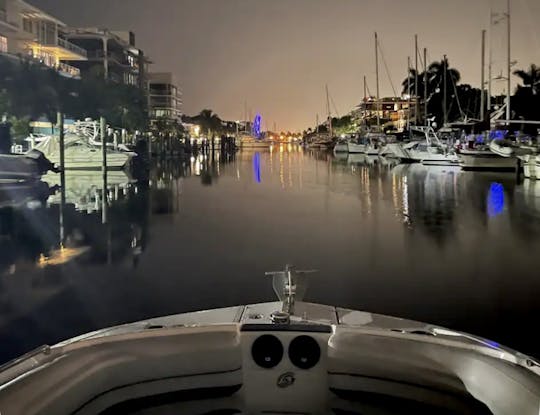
column 495, row 199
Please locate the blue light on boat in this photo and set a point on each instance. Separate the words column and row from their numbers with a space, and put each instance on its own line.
column 495, row 199
column 497, row 134
column 493, row 344
column 257, row 167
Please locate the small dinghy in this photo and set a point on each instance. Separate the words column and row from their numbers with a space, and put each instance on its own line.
column 285, row 357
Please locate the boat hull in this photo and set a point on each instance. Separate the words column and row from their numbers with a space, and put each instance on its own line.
column 341, row 148
column 399, row 152
column 356, row 148
column 357, row 354
column 485, row 160
column 115, row 161
column 443, row 161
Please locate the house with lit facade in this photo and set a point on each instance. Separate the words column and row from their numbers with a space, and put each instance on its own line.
column 29, row 33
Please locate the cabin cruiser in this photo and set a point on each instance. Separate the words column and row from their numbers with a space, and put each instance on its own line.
column 374, row 143
column 321, row 142
column 248, row 141
column 482, row 158
column 80, row 154
column 342, row 146
column 356, row 147
column 430, row 151
column 284, row 357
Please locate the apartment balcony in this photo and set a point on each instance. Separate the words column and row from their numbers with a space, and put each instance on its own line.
column 68, row 70
column 62, row 50
column 67, row 45
column 113, row 57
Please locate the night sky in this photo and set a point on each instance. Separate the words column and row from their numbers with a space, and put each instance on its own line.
column 278, row 54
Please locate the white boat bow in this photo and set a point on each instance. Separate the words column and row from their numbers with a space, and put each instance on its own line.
column 279, row 357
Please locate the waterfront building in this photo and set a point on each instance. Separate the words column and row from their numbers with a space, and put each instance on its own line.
column 111, row 54
column 392, row 111
column 164, row 97
column 28, row 33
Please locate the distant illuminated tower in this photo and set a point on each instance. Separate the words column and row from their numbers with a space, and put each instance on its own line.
column 256, row 127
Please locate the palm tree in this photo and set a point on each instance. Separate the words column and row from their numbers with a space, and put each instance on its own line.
column 435, row 85
column 526, row 100
column 530, row 78
column 209, row 122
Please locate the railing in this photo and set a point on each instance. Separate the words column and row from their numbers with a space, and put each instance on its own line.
column 68, row 69
column 66, row 44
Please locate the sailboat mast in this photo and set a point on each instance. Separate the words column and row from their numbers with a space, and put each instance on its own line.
column 445, row 112
column 416, row 79
column 377, row 79
column 408, row 92
column 490, row 60
column 365, row 100
column 245, row 116
column 425, row 87
column 509, row 64
column 482, row 90
column 329, row 113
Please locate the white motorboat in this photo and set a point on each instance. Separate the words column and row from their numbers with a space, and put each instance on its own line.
column 431, row 151
column 80, row 154
column 341, row 146
column 374, row 143
column 248, row 141
column 286, row 357
column 356, row 148
column 430, row 155
column 24, row 167
column 400, row 150
column 482, row 158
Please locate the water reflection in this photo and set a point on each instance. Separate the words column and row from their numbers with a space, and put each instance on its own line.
column 405, row 240
column 495, row 199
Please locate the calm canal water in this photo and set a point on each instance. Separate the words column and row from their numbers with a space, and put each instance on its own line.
column 435, row 244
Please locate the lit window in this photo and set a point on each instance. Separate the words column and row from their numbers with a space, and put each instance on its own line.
column 3, row 44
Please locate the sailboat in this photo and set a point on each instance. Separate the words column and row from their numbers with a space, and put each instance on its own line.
column 479, row 154
column 324, row 141
column 283, row 357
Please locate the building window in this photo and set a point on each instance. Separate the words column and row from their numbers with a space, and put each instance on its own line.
column 3, row 44
column 27, row 25
column 131, row 60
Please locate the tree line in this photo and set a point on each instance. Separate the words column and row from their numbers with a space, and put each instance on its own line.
column 29, row 91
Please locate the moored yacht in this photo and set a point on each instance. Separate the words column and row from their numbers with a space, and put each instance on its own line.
column 248, row 141
column 279, row 357
column 482, row 158
column 80, row 154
